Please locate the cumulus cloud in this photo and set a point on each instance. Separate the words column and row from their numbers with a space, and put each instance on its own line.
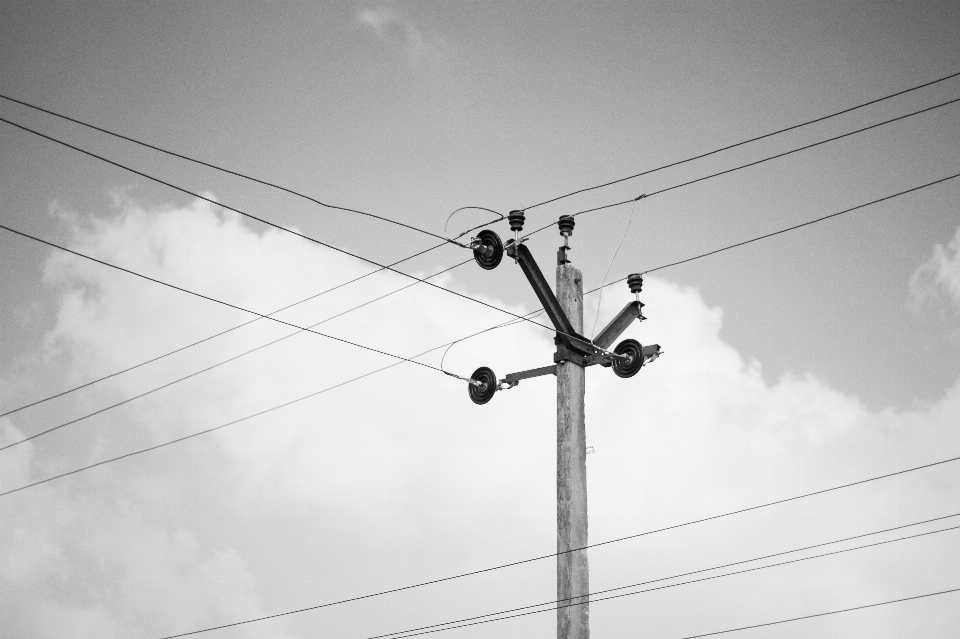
column 398, row 478
column 939, row 276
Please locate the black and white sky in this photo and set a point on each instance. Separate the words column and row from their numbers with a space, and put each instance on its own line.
column 810, row 359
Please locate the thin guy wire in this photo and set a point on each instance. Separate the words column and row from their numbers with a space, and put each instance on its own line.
column 748, row 141
column 224, row 332
column 218, row 364
column 464, row 208
column 754, row 163
column 219, row 168
column 213, row 299
column 414, row 633
column 492, row 328
column 268, row 223
column 603, row 282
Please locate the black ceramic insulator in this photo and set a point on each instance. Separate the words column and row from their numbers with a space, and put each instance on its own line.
column 566, row 223
column 516, row 220
column 635, row 282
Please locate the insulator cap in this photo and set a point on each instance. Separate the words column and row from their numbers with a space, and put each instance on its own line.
column 516, row 220
column 566, row 223
column 635, row 282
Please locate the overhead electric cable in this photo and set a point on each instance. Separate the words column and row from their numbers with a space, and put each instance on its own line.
column 475, row 572
column 755, row 239
column 424, row 630
column 794, row 227
column 213, row 299
column 743, row 142
column 237, row 421
column 224, row 332
column 404, row 259
column 822, row 614
column 642, row 583
column 269, row 223
column 220, row 168
column 495, row 326
column 749, row 164
column 220, row 363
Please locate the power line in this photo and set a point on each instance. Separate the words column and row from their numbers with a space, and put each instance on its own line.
column 399, row 261
column 236, row 421
column 823, row 614
column 213, row 299
column 218, row 364
column 220, row 168
column 761, row 237
column 424, row 630
column 796, row 226
column 741, row 143
column 461, row 339
column 754, row 163
column 264, row 221
column 549, row 603
column 224, row 332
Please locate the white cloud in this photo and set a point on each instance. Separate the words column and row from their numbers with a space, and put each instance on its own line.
column 394, row 27
column 938, row 276
column 398, row 477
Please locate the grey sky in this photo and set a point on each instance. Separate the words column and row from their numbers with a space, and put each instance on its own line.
column 410, row 110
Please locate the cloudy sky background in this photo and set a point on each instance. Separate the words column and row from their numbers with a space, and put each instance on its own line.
column 815, row 358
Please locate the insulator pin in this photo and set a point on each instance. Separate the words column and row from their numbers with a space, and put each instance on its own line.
column 516, row 219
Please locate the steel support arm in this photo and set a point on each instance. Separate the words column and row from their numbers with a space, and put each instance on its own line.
column 514, row 378
column 540, row 286
column 619, row 324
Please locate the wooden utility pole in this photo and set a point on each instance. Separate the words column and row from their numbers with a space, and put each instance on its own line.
column 573, row 579
column 574, row 353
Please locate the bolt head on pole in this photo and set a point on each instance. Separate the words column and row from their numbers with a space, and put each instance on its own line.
column 516, row 219
column 566, row 223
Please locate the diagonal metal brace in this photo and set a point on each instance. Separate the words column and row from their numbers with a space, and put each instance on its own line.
column 567, row 336
column 619, row 324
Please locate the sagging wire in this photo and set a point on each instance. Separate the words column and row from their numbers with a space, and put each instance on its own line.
column 463, row 208
column 603, row 283
column 469, row 380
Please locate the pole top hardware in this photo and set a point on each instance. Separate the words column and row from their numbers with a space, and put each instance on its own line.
column 565, row 223
column 516, row 219
column 635, row 282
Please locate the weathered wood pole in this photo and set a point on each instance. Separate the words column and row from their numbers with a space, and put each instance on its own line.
column 573, row 622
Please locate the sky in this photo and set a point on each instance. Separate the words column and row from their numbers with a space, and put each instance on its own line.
column 811, row 359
